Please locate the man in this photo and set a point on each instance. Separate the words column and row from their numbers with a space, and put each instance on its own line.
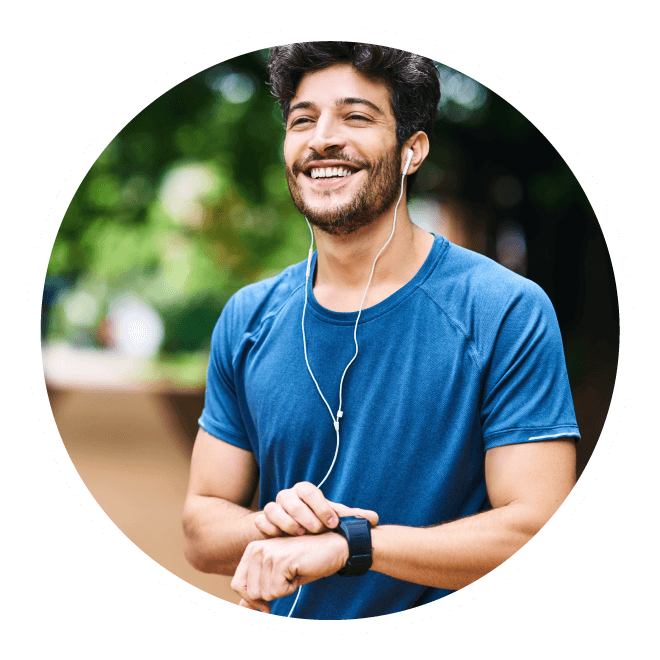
column 452, row 429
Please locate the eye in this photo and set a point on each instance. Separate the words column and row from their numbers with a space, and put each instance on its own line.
column 300, row 120
column 354, row 117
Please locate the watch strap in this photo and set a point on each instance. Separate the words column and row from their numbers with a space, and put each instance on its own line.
column 357, row 532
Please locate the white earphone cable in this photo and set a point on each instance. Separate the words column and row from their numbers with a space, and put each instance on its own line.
column 373, row 267
column 335, row 420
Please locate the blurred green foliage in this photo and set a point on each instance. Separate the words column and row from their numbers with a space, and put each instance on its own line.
column 221, row 133
column 189, row 203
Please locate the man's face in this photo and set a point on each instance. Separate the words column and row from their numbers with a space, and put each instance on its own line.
column 343, row 164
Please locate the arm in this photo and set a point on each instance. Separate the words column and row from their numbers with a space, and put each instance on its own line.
column 526, row 484
column 217, row 523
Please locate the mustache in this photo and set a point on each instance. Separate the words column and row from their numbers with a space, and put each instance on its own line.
column 300, row 165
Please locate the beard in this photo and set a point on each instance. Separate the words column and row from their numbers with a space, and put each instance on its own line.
column 371, row 201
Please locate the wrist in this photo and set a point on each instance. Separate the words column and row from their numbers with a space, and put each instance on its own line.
column 340, row 547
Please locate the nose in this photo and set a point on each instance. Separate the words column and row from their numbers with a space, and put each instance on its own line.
column 327, row 136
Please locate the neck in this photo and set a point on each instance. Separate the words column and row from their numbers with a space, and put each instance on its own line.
column 345, row 262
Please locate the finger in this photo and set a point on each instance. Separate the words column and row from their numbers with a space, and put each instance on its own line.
column 265, row 526
column 266, row 574
column 343, row 510
column 292, row 504
column 279, row 518
column 240, row 580
column 282, row 580
column 318, row 503
column 263, row 606
column 253, row 578
column 275, row 576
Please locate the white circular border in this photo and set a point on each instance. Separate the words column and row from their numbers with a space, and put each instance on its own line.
column 91, row 154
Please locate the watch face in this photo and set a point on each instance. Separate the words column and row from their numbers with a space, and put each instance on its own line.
column 358, row 534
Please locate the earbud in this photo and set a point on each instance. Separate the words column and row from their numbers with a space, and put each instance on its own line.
column 407, row 165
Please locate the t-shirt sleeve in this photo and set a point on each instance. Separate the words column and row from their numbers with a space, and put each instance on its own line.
column 526, row 395
column 221, row 416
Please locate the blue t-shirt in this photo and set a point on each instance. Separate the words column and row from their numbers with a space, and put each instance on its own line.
column 464, row 357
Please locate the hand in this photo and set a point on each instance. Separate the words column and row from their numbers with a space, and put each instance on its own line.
column 304, row 509
column 276, row 567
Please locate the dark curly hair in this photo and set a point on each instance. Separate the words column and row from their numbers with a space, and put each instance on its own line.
column 413, row 80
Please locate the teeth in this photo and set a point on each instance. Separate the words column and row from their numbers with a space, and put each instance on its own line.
column 324, row 172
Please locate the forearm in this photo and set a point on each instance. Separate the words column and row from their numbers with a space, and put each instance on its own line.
column 216, row 533
column 452, row 555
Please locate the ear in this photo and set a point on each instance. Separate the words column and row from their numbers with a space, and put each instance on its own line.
column 419, row 143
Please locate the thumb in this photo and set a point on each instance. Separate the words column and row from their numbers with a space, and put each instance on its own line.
column 342, row 510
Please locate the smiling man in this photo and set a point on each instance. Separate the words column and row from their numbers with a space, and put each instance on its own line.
column 402, row 402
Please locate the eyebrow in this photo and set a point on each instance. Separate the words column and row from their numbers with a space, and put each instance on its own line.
column 348, row 100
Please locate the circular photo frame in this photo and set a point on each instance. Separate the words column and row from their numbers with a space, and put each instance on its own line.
column 206, row 61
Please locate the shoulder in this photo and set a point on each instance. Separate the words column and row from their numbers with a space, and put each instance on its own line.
column 464, row 274
column 248, row 308
column 479, row 295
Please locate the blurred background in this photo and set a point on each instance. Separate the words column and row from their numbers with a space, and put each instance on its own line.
column 189, row 203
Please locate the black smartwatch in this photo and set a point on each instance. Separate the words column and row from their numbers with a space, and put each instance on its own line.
column 357, row 531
